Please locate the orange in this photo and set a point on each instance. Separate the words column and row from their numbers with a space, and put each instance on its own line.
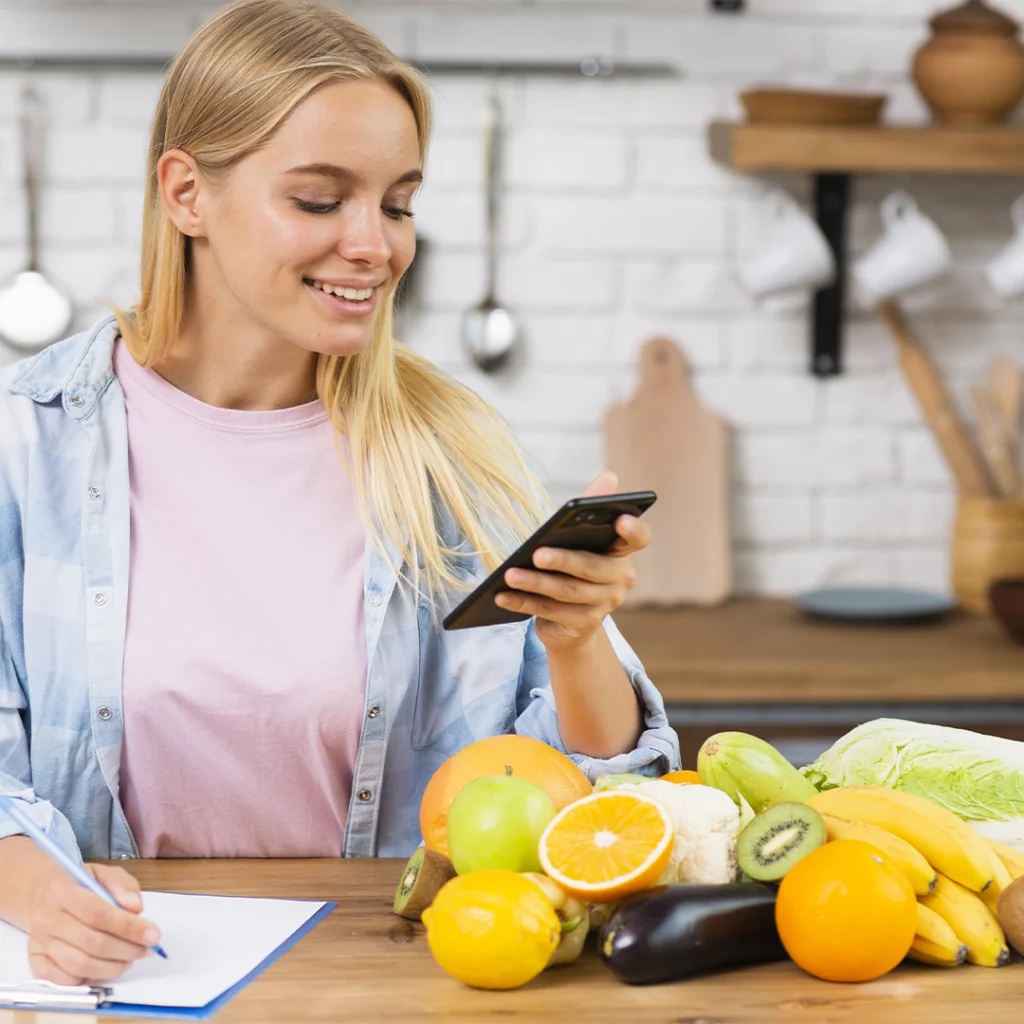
column 608, row 845
column 846, row 913
column 530, row 759
column 687, row 777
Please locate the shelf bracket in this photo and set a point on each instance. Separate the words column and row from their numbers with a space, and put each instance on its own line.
column 831, row 201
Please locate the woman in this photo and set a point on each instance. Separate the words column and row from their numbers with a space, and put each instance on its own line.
column 295, row 498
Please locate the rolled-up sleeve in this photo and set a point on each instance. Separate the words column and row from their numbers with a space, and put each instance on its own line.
column 15, row 767
column 657, row 750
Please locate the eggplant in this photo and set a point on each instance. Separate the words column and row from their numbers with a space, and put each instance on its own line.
column 675, row 931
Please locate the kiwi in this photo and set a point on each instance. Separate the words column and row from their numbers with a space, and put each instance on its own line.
column 422, row 878
column 777, row 838
column 1010, row 911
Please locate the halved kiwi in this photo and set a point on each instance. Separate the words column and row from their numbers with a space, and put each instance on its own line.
column 777, row 838
column 422, row 878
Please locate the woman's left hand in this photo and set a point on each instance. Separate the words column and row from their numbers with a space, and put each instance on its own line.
column 577, row 589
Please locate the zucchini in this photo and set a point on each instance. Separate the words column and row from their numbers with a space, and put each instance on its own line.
column 675, row 931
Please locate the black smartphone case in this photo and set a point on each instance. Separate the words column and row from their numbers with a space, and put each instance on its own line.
column 581, row 524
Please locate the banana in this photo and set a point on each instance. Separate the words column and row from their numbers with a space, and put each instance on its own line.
column 1013, row 860
column 1000, row 880
column 910, row 861
column 952, row 847
column 935, row 942
column 926, row 952
column 972, row 922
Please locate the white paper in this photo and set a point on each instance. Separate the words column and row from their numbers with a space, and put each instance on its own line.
column 211, row 942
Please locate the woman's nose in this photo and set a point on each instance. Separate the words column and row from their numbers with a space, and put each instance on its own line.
column 363, row 237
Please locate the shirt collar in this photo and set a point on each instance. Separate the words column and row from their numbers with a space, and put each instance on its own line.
column 78, row 368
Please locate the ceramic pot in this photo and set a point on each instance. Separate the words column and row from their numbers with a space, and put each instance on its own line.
column 1007, row 599
column 988, row 545
column 971, row 70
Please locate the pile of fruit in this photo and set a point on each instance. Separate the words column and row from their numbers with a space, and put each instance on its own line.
column 740, row 862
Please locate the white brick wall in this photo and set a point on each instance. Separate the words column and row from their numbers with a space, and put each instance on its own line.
column 616, row 226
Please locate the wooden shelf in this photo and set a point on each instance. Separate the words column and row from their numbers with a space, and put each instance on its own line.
column 833, row 155
column 822, row 149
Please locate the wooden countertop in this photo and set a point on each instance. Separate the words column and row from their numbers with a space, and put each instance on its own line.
column 766, row 651
column 364, row 964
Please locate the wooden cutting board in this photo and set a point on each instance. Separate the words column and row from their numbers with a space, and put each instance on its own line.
column 664, row 440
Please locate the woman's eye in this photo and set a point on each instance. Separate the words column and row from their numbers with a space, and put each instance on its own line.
column 394, row 212
column 304, row 204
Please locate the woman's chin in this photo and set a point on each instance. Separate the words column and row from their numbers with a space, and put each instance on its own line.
column 342, row 343
column 329, row 337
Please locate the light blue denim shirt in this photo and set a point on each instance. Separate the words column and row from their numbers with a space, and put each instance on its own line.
column 63, row 607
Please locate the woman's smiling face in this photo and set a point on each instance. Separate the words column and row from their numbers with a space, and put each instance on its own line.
column 307, row 235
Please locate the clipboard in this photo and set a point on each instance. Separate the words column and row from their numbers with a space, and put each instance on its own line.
column 46, row 996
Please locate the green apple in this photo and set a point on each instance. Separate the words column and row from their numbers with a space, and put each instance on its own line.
column 495, row 823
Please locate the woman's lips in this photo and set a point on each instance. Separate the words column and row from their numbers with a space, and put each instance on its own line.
column 347, row 307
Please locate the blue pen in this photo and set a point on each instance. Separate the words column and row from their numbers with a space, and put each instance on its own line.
column 47, row 845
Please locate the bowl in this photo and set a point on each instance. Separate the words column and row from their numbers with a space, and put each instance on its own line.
column 1007, row 599
column 807, row 106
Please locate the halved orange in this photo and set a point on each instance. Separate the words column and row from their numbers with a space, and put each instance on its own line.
column 685, row 777
column 607, row 845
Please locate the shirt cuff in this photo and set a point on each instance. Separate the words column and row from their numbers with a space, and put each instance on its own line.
column 49, row 820
column 657, row 750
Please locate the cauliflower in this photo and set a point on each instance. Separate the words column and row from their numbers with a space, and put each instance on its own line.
column 707, row 823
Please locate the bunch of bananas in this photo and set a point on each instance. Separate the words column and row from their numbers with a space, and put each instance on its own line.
column 956, row 873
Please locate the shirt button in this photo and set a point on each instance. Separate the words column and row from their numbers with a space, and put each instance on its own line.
column 374, row 711
column 105, row 714
column 364, row 795
column 95, row 493
column 99, row 598
column 77, row 401
column 125, row 856
column 376, row 600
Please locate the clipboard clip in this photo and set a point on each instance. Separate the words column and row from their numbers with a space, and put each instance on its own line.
column 45, row 994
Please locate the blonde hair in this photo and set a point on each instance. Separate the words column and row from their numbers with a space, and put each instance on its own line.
column 415, row 434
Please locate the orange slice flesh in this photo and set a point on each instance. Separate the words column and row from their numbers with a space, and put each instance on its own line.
column 685, row 777
column 607, row 845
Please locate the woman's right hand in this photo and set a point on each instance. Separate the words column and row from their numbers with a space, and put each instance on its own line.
column 74, row 937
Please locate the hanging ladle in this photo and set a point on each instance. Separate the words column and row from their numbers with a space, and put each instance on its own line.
column 34, row 312
column 489, row 331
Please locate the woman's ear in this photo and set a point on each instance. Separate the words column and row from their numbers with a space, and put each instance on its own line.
column 177, row 179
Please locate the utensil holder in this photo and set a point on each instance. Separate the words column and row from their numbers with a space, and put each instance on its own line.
column 988, row 544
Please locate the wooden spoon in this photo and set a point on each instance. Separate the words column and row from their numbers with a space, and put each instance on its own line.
column 937, row 405
column 995, row 443
column 1006, row 384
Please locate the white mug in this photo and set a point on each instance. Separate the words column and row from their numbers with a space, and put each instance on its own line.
column 911, row 252
column 1005, row 272
column 795, row 254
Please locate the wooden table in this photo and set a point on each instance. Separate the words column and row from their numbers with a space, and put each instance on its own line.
column 364, row 964
column 763, row 666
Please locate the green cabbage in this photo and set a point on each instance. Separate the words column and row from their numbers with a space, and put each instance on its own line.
column 980, row 778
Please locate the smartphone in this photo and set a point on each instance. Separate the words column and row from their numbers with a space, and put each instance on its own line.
column 581, row 524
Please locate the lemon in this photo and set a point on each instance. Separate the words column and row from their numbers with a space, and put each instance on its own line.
column 492, row 929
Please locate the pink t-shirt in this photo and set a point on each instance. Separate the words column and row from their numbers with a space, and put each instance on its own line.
column 245, row 657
